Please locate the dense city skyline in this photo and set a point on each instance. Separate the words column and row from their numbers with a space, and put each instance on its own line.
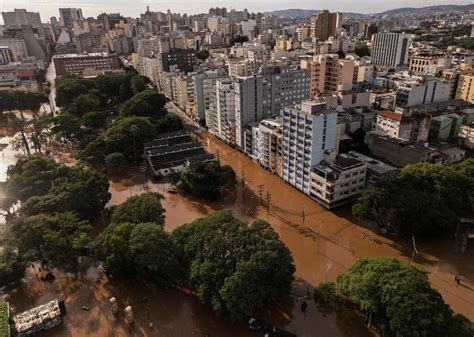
column 48, row 8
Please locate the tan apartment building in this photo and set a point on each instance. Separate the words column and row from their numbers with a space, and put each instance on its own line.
column 324, row 24
column 465, row 88
column 328, row 72
column 270, row 145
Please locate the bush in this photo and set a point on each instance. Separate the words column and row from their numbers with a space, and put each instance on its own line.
column 325, row 292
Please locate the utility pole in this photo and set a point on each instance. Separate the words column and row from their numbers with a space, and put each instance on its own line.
column 414, row 249
column 319, row 233
column 260, row 193
column 268, row 198
column 302, row 214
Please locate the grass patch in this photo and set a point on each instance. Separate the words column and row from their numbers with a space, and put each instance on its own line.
column 4, row 324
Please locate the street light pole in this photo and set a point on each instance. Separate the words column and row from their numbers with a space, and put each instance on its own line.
column 328, row 266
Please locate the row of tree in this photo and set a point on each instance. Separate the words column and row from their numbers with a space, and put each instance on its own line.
column 397, row 297
column 130, row 113
column 49, row 208
column 233, row 267
column 425, row 200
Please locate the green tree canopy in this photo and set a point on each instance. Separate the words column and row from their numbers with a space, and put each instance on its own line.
column 325, row 292
column 203, row 54
column 84, row 103
column 115, row 159
column 68, row 88
column 94, row 119
column 21, row 100
column 148, row 103
column 138, row 84
column 12, row 267
column 169, row 123
column 141, row 208
column 398, row 296
column 139, row 249
column 234, row 267
column 206, row 179
column 59, row 239
column 67, row 126
column 32, row 176
column 126, row 136
column 423, row 200
column 362, row 50
column 45, row 186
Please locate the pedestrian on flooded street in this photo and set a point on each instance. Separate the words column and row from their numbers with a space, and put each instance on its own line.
column 457, row 280
column 304, row 305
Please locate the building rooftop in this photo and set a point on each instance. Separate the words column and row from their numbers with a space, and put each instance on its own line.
column 177, row 148
column 36, row 316
column 170, row 138
column 392, row 115
column 63, row 56
column 374, row 165
column 341, row 163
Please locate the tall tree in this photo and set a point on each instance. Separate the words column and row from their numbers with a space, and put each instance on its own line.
column 206, row 179
column 234, row 267
column 141, row 208
column 399, row 297
column 59, row 239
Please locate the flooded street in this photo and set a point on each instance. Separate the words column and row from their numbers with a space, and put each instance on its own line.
column 172, row 313
column 323, row 246
column 317, row 257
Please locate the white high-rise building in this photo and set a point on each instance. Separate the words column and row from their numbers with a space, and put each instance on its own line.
column 221, row 115
column 308, row 130
column 391, row 49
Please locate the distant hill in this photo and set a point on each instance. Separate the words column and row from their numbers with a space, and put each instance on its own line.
column 430, row 9
column 293, row 13
column 304, row 13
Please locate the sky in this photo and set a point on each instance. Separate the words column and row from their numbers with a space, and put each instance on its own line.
column 133, row 8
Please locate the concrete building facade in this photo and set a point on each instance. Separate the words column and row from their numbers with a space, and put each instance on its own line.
column 308, row 130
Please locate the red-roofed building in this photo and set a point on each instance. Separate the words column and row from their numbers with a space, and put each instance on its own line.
column 393, row 124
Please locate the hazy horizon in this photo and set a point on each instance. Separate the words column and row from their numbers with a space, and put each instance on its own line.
column 48, row 8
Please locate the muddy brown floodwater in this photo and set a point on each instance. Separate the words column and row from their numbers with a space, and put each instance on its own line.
column 323, row 246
